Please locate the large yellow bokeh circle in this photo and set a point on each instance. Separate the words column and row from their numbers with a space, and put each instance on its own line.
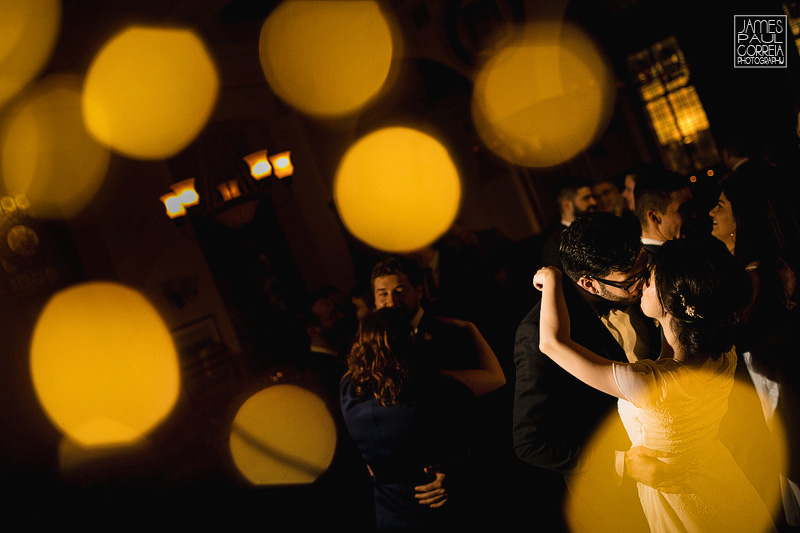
column 327, row 58
column 283, row 435
column 150, row 91
column 103, row 364
column 397, row 189
column 543, row 98
column 28, row 32
column 47, row 154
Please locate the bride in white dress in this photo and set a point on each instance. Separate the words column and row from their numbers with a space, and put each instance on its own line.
column 674, row 405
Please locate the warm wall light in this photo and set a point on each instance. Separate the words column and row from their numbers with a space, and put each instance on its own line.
column 222, row 179
column 183, row 195
column 186, row 192
column 259, row 164
column 282, row 163
column 174, row 206
column 229, row 190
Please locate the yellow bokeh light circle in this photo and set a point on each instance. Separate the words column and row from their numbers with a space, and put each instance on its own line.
column 544, row 97
column 150, row 91
column 46, row 152
column 327, row 58
column 28, row 31
column 283, row 435
column 103, row 364
column 397, row 189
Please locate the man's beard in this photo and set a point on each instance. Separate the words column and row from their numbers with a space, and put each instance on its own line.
column 627, row 300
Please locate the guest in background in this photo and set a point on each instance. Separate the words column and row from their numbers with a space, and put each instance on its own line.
column 627, row 191
column 766, row 338
column 573, row 198
column 411, row 422
column 660, row 196
column 361, row 300
column 608, row 196
column 438, row 343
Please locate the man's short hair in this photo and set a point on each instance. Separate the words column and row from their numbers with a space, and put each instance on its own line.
column 617, row 181
column 596, row 244
column 396, row 265
column 567, row 188
column 654, row 190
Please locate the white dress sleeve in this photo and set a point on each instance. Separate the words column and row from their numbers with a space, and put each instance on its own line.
column 640, row 383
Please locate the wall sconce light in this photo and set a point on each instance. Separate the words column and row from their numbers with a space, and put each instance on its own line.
column 186, row 192
column 229, row 190
column 282, row 163
column 173, row 205
column 183, row 195
column 224, row 198
column 259, row 164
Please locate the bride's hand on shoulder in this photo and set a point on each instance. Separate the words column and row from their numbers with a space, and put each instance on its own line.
column 546, row 276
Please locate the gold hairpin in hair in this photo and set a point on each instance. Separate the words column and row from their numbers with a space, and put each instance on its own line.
column 691, row 312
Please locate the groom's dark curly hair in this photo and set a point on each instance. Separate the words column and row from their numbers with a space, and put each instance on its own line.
column 597, row 243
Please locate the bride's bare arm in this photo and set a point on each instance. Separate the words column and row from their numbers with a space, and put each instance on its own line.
column 554, row 340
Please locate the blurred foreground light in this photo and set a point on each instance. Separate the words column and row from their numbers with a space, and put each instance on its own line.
column 544, row 98
column 28, row 31
column 327, row 58
column 149, row 91
column 283, row 435
column 77, row 463
column 103, row 364
column 397, row 189
column 597, row 504
column 46, row 152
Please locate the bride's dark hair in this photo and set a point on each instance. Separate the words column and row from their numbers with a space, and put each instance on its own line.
column 702, row 286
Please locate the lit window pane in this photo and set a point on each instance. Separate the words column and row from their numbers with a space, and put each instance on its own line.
column 688, row 111
column 663, row 121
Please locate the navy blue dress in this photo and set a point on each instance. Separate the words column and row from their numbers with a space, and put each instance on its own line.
column 429, row 426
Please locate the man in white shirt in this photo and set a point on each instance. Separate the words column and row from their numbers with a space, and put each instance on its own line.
column 660, row 198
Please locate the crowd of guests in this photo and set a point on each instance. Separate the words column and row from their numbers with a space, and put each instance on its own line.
column 466, row 397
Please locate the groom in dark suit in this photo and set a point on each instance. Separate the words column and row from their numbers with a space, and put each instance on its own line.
column 556, row 415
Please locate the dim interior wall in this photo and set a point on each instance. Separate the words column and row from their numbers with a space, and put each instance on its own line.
column 126, row 236
column 307, row 219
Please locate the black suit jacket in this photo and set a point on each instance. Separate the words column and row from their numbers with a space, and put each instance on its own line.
column 651, row 250
column 554, row 413
column 444, row 346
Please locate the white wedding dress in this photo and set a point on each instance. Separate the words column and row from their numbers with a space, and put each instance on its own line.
column 674, row 408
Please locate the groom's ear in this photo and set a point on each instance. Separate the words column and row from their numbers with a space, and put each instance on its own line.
column 588, row 284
